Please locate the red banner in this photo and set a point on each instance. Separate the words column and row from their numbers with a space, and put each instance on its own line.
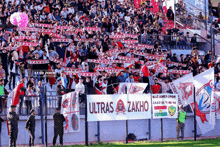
column 29, row 44
column 43, row 25
column 179, row 71
column 129, row 41
column 116, row 36
column 8, row 48
column 57, row 61
column 27, row 29
column 63, row 27
column 44, row 61
column 25, row 37
column 60, row 40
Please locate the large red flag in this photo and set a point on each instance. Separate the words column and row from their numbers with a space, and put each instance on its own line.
column 16, row 94
column 51, row 77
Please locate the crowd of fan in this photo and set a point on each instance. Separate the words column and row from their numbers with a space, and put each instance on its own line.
column 113, row 17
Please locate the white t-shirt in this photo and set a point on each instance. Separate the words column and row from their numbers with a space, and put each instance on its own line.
column 80, row 88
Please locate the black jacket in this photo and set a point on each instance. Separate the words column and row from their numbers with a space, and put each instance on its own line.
column 30, row 123
column 13, row 120
column 59, row 90
column 58, row 120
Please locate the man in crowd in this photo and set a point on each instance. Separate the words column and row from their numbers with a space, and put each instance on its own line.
column 13, row 118
column 80, row 90
column 60, row 90
column 58, row 126
column 30, row 126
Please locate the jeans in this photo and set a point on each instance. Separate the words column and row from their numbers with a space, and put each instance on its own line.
column 12, row 76
column 21, row 100
column 28, row 105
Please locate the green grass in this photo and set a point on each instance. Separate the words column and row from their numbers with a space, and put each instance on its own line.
column 169, row 143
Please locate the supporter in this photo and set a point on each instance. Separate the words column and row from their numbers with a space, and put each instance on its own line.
column 130, row 79
column 12, row 69
column 88, row 86
column 60, row 90
column 41, row 93
column 29, row 95
column 1, row 93
column 156, row 87
column 80, row 89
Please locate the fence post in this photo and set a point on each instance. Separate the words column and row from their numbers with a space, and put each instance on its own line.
column 126, row 120
column 42, row 119
column 46, row 116
column 86, row 124
column 161, row 120
column 98, row 130
column 195, row 114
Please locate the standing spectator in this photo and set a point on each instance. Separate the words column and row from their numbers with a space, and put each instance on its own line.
column 161, row 4
column 22, row 93
column 29, row 94
column 41, row 93
column 80, row 90
column 58, row 126
column 30, row 126
column 13, row 118
column 1, row 93
column 88, row 85
column 60, row 90
column 180, row 123
column 156, row 87
column 130, row 79
column 4, row 60
column 170, row 14
column 121, row 77
column 12, row 69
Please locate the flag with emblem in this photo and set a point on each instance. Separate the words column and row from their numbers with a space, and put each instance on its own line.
column 204, row 84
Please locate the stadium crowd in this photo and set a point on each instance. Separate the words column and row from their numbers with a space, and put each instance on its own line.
column 95, row 49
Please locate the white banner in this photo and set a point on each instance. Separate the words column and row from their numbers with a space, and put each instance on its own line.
column 184, row 88
column 165, row 105
column 70, row 110
column 132, row 88
column 204, row 83
column 118, row 107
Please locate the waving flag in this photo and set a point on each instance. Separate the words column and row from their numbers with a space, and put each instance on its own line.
column 184, row 88
column 204, row 83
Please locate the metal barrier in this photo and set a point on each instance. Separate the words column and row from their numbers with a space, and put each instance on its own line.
column 33, row 102
column 169, row 41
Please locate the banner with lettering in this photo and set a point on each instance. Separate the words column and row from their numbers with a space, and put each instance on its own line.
column 70, row 110
column 44, row 61
column 204, row 84
column 132, row 88
column 184, row 88
column 217, row 98
column 57, row 61
column 118, row 107
column 165, row 105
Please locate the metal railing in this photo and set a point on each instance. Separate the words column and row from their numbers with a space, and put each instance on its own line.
column 169, row 41
column 26, row 103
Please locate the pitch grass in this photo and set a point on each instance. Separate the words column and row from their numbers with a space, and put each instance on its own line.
column 168, row 143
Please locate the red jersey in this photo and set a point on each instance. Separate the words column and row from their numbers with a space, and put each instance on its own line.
column 155, row 88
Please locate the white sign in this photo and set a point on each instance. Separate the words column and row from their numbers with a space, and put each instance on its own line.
column 165, row 105
column 118, row 107
column 70, row 110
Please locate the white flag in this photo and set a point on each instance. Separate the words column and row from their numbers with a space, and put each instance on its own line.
column 132, row 88
column 184, row 88
column 204, row 83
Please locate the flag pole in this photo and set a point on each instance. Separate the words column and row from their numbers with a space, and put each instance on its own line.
column 161, row 120
column 195, row 114
column 86, row 124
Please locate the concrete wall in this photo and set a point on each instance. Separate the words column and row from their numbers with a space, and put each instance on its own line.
column 109, row 130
